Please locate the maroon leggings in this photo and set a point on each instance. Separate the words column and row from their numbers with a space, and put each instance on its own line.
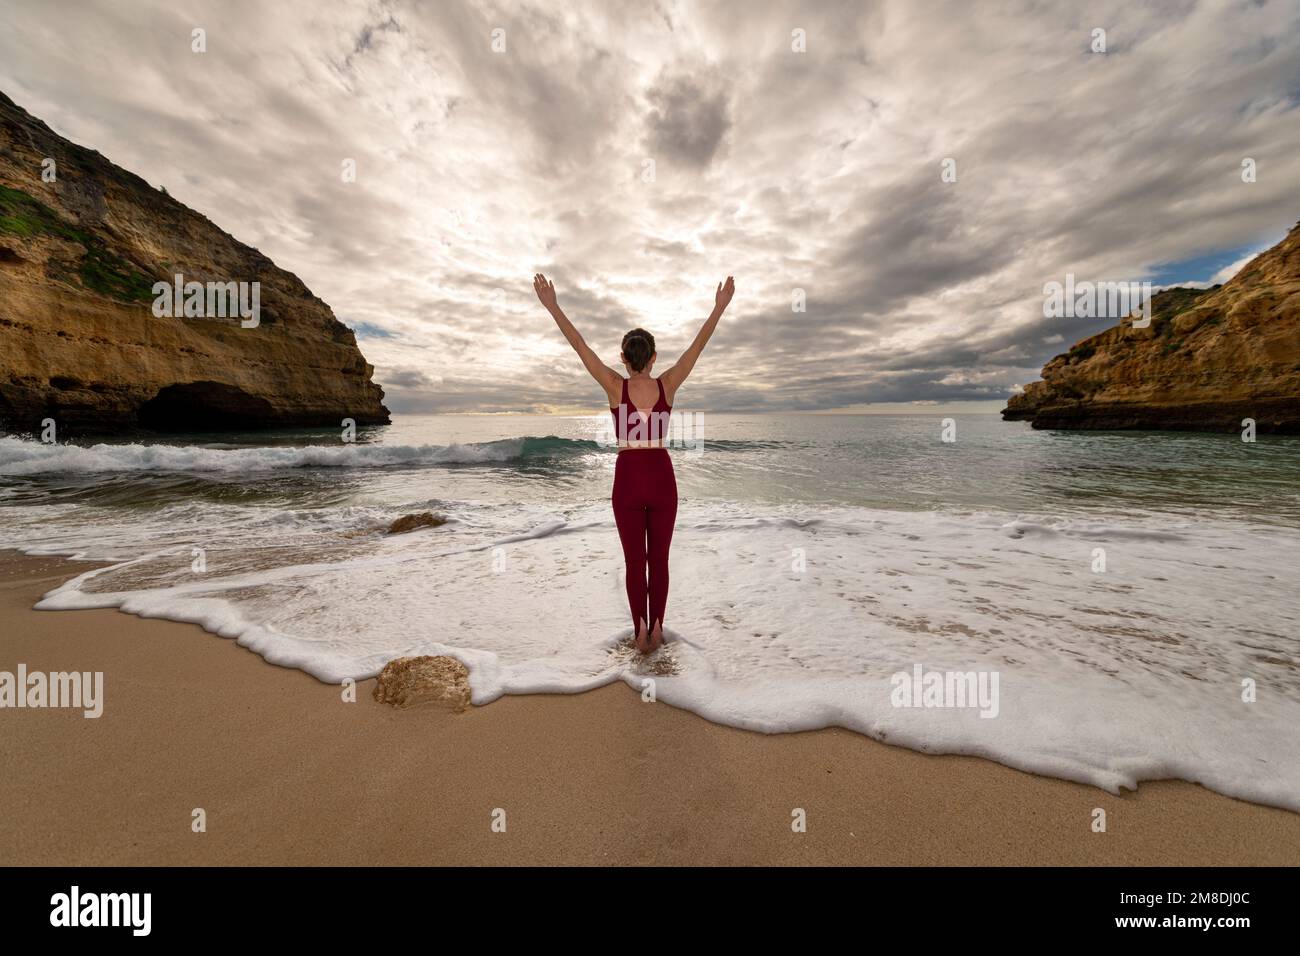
column 645, row 508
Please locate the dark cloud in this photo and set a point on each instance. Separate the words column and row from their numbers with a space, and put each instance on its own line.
column 687, row 119
column 409, row 378
column 367, row 35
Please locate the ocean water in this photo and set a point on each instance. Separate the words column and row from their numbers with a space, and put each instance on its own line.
column 1122, row 593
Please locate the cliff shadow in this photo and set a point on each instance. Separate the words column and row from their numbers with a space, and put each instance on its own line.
column 203, row 407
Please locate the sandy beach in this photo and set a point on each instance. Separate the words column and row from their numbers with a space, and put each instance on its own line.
column 288, row 773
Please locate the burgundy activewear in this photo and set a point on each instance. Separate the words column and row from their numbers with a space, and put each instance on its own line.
column 645, row 504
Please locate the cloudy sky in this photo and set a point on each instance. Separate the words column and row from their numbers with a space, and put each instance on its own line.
column 495, row 140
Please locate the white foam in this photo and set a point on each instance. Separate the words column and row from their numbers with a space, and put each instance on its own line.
column 1105, row 678
column 23, row 456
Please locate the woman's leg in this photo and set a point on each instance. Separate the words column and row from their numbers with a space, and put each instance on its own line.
column 661, row 516
column 630, row 517
column 631, row 523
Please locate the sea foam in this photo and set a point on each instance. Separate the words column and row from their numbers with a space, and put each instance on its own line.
column 791, row 618
column 22, row 457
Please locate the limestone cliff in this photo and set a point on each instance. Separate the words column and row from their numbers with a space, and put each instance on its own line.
column 1209, row 359
column 79, row 342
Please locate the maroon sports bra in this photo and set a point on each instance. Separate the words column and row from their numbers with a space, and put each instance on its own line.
column 641, row 430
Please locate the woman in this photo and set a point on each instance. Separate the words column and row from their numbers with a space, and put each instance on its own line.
column 645, row 490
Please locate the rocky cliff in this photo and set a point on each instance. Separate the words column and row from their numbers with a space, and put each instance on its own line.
column 1209, row 359
column 79, row 340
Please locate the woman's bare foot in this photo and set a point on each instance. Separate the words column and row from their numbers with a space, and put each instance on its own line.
column 642, row 640
column 657, row 637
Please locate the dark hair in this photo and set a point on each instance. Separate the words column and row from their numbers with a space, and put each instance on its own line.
column 638, row 346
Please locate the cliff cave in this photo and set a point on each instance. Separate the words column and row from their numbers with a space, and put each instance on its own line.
column 204, row 407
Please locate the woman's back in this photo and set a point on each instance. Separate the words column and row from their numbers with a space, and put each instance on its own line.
column 643, row 391
column 641, row 422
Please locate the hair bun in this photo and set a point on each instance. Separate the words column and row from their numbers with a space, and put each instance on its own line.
column 638, row 346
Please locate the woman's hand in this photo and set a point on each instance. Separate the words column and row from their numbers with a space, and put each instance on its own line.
column 723, row 296
column 545, row 292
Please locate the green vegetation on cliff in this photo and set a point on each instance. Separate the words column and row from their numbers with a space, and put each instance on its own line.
column 99, row 269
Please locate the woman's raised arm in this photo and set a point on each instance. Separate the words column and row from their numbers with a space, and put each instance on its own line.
column 609, row 379
column 674, row 377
